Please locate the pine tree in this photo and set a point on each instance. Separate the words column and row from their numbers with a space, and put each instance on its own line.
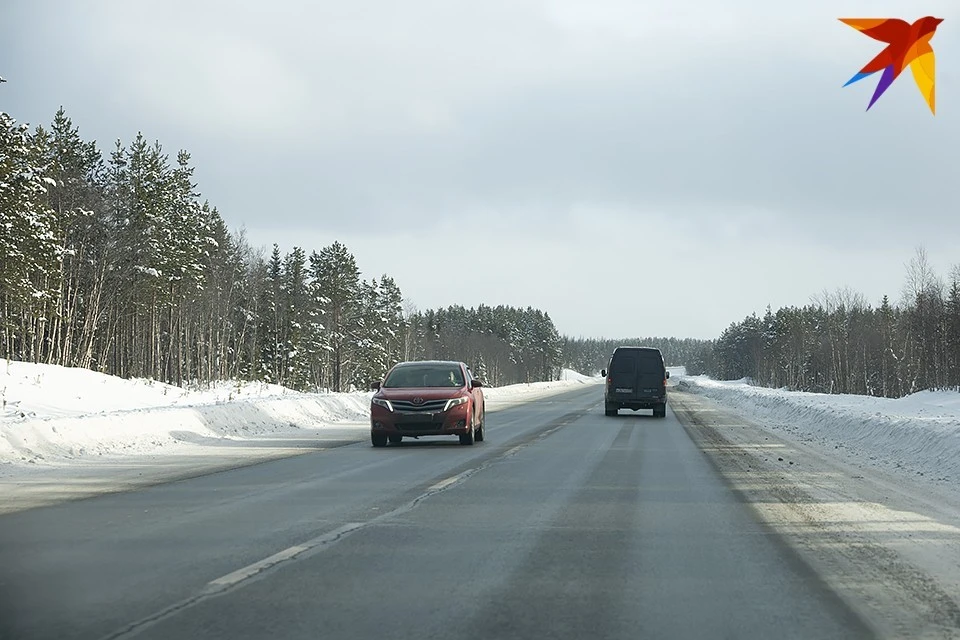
column 339, row 282
column 271, row 321
column 29, row 246
column 952, row 330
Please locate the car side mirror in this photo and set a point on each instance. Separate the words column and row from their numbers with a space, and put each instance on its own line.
column 475, row 383
column 668, row 374
column 603, row 373
column 375, row 386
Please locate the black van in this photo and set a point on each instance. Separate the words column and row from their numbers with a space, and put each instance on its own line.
column 637, row 379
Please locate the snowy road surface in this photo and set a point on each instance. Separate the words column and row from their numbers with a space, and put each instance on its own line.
column 563, row 524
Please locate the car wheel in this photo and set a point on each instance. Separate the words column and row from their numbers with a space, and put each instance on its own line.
column 379, row 439
column 482, row 431
column 395, row 438
column 610, row 409
column 468, row 437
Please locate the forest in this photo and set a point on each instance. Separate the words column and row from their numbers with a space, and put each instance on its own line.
column 114, row 262
column 840, row 343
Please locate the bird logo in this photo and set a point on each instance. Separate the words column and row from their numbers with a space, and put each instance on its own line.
column 907, row 45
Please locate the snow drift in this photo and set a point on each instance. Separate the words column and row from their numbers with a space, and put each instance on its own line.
column 917, row 435
column 53, row 414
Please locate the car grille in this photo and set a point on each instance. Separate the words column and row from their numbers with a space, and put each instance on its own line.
column 426, row 406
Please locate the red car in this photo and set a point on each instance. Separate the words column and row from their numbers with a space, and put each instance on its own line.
column 427, row 398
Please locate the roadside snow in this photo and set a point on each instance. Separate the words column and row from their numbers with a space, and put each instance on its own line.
column 529, row 391
column 30, row 390
column 916, row 436
column 55, row 415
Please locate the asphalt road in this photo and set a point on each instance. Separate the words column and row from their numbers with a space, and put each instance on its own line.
column 563, row 524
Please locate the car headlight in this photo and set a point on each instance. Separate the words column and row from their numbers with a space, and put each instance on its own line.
column 453, row 402
column 380, row 402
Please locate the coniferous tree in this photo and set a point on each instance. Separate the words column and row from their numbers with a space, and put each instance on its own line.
column 339, row 284
column 29, row 247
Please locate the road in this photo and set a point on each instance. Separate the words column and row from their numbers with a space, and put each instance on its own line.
column 563, row 524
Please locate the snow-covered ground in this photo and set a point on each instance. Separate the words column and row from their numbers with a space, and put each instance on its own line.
column 51, row 415
column 916, row 436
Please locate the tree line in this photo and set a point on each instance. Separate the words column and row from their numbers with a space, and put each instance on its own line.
column 839, row 343
column 115, row 263
column 590, row 355
column 502, row 344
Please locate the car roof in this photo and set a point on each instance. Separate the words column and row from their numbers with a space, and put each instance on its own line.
column 416, row 362
column 652, row 351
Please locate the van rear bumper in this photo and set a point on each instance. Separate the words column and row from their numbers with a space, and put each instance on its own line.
column 648, row 402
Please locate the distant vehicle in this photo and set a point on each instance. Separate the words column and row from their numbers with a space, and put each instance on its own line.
column 637, row 379
column 427, row 398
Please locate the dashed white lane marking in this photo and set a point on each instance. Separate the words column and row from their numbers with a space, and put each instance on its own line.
column 235, row 577
column 443, row 484
column 242, row 574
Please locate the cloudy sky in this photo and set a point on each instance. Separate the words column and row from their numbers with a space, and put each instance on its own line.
column 632, row 168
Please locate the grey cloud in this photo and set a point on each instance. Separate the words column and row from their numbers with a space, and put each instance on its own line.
column 724, row 123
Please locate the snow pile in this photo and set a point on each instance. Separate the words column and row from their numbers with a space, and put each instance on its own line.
column 30, row 390
column 568, row 379
column 53, row 414
column 918, row 434
column 156, row 429
column 576, row 376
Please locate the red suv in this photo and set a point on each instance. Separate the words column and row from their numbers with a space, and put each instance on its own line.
column 427, row 398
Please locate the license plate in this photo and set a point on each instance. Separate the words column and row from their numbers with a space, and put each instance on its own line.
column 416, row 416
column 624, row 390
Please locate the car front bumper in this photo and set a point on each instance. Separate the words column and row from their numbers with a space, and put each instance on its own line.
column 420, row 423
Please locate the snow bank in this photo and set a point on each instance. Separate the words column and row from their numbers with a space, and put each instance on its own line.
column 917, row 435
column 30, row 390
column 53, row 414
column 568, row 379
column 576, row 376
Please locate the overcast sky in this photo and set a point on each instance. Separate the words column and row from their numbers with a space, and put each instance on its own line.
column 632, row 168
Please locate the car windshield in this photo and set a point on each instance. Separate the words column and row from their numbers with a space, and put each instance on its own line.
column 425, row 376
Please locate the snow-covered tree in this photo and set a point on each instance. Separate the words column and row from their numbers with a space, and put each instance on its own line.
column 338, row 280
column 29, row 243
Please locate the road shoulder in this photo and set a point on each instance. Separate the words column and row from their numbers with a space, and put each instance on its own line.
column 890, row 549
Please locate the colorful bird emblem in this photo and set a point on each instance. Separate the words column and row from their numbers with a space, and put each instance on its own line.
column 907, row 45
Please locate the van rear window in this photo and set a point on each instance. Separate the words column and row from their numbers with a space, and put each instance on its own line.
column 640, row 363
column 650, row 365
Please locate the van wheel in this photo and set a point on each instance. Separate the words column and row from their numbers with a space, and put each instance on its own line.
column 660, row 411
column 610, row 409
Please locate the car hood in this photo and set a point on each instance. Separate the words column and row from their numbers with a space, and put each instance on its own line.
column 427, row 393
